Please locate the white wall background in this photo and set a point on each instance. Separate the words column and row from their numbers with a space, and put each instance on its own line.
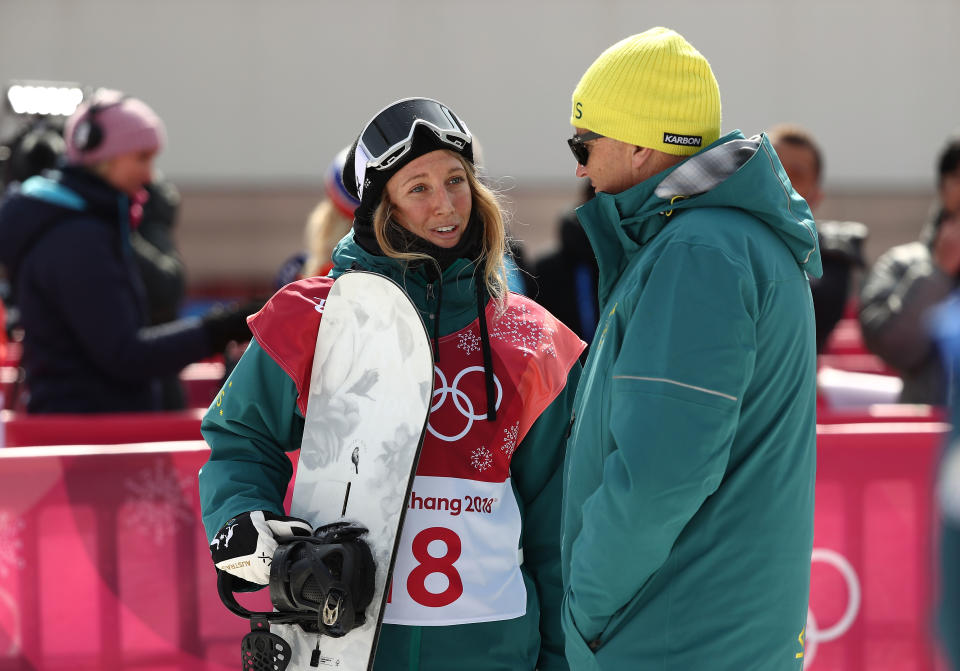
column 264, row 93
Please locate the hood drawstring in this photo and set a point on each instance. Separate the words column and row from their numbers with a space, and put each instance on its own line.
column 435, row 278
column 436, row 322
column 485, row 346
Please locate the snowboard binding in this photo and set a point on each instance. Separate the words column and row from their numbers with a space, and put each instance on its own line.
column 329, row 575
column 321, row 582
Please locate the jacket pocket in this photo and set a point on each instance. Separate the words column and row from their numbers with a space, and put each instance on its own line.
column 630, row 609
column 578, row 652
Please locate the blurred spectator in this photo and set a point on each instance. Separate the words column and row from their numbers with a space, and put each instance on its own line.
column 161, row 270
column 65, row 239
column 949, row 502
column 159, row 261
column 841, row 242
column 566, row 279
column 39, row 147
column 36, row 146
column 946, row 330
column 907, row 281
column 329, row 221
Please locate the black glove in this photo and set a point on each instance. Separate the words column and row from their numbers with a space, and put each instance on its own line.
column 245, row 545
column 229, row 324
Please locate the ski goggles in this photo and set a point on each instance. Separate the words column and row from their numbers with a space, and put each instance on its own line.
column 388, row 137
column 578, row 145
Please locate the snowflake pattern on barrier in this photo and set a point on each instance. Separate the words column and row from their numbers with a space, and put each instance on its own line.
column 481, row 459
column 510, row 439
column 518, row 328
column 469, row 342
column 10, row 543
column 158, row 501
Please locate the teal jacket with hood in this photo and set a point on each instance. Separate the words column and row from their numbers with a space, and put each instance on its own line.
column 689, row 482
column 256, row 420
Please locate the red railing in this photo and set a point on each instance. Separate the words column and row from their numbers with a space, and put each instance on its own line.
column 25, row 429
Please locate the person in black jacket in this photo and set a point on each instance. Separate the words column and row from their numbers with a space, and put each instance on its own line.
column 841, row 242
column 161, row 269
column 905, row 284
column 65, row 242
column 566, row 279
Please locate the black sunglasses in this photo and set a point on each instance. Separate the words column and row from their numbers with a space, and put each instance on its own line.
column 578, row 145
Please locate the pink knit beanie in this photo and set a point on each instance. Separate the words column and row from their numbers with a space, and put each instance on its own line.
column 118, row 125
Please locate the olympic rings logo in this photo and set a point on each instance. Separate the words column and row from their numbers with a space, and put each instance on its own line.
column 814, row 634
column 460, row 401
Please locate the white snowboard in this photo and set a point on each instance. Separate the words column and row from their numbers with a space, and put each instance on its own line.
column 370, row 395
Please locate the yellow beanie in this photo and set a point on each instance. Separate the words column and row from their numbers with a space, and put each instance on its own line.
column 651, row 90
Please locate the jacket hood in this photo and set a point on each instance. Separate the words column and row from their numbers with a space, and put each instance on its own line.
column 30, row 209
column 734, row 172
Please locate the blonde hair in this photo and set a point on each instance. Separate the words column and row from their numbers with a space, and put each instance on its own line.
column 325, row 227
column 486, row 206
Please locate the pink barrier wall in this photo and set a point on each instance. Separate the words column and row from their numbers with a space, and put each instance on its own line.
column 872, row 574
column 104, row 564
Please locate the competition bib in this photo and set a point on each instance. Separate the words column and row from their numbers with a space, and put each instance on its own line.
column 458, row 558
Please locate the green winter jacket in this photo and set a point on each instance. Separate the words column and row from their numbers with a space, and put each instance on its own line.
column 689, row 480
column 255, row 422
